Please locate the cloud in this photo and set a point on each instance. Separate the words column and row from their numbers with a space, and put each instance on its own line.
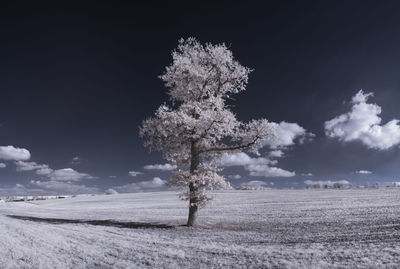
column 68, row 174
column 276, row 154
column 39, row 188
column 156, row 184
column 44, row 170
column 286, row 135
column 258, row 170
column 3, row 165
column 242, row 159
column 60, row 181
column 326, row 182
column 259, row 166
column 29, row 166
column 254, row 183
column 361, row 97
column 307, row 174
column 64, row 187
column 20, row 190
column 135, row 173
column 110, row 191
column 65, row 174
column 11, row 153
column 162, row 167
column 76, row 160
column 235, row 176
column 365, row 172
column 363, row 124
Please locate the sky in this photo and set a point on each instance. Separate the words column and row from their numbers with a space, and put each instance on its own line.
column 77, row 80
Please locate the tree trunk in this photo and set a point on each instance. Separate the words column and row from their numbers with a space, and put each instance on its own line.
column 192, row 207
column 194, row 163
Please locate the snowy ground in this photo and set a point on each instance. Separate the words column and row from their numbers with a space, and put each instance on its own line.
column 242, row 229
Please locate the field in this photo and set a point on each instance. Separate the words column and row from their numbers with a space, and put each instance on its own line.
column 358, row 228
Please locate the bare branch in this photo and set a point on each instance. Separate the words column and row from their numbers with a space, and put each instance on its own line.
column 233, row 148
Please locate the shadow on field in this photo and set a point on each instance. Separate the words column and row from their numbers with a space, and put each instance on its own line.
column 113, row 223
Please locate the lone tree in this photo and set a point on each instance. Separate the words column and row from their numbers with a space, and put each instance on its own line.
column 198, row 126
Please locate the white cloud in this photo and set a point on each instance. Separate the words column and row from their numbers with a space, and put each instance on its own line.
column 326, row 182
column 110, row 191
column 254, row 183
column 259, row 166
column 365, row 172
column 361, row 97
column 29, row 166
column 68, row 174
column 286, row 135
column 242, row 159
column 12, row 153
column 59, row 180
column 64, row 187
column 156, row 184
column 235, row 176
column 162, row 167
column 363, row 124
column 20, row 190
column 307, row 174
column 47, row 188
column 44, row 170
column 3, row 165
column 258, row 170
column 276, row 154
column 65, row 174
column 76, row 160
column 135, row 173
column 25, row 166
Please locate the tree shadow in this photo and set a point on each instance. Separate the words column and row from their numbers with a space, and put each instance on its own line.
column 113, row 223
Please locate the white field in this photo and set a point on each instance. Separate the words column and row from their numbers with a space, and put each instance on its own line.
column 357, row 228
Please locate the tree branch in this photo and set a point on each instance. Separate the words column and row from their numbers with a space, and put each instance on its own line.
column 232, row 148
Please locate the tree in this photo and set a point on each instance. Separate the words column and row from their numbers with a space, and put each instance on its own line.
column 198, row 126
column 337, row 185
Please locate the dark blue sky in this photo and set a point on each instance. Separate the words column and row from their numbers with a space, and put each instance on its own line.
column 78, row 79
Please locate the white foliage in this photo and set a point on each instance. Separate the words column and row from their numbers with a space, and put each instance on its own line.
column 199, row 72
column 198, row 126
